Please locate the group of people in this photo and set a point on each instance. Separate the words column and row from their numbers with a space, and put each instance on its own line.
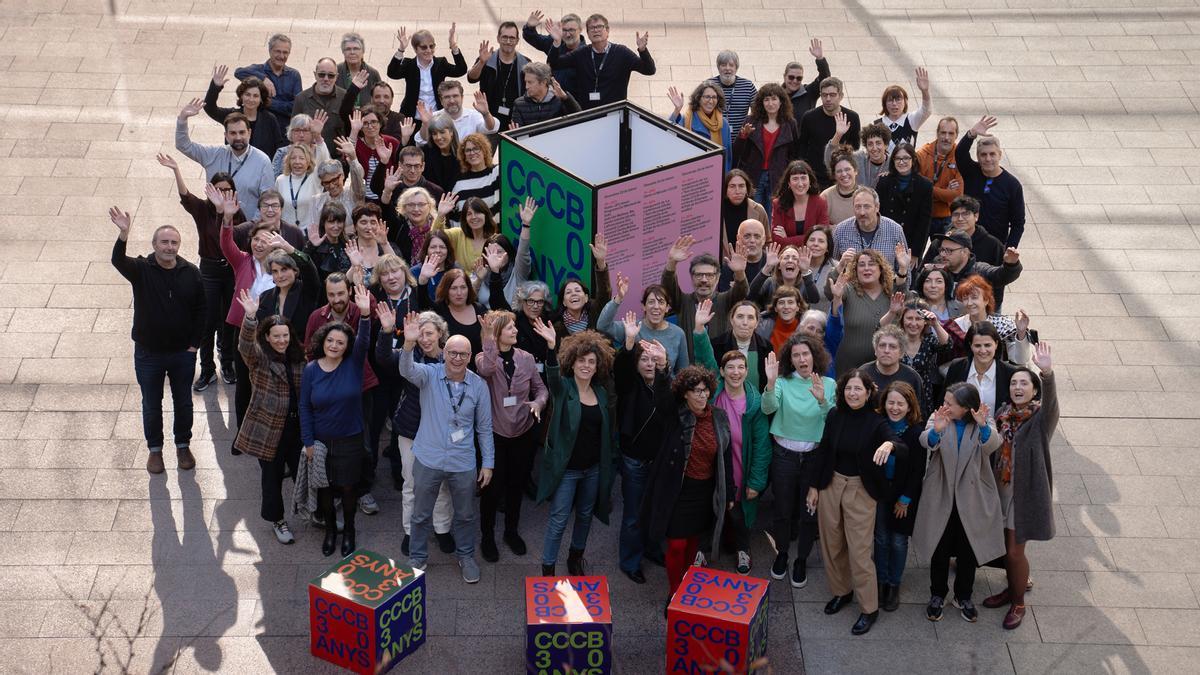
column 845, row 351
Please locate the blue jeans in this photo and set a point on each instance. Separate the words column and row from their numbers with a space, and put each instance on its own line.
column 427, row 483
column 762, row 193
column 577, row 488
column 891, row 548
column 633, row 486
column 152, row 368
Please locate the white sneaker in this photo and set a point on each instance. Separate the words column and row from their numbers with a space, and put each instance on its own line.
column 700, row 560
column 368, row 505
column 743, row 564
column 283, row 533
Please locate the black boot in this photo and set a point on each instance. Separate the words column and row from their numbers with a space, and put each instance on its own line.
column 547, row 570
column 891, row 598
column 325, row 506
column 349, row 508
column 575, row 563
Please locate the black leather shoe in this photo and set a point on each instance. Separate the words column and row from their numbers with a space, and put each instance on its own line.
column 228, row 373
column 547, row 570
column 864, row 623
column 890, row 598
column 838, row 602
column 330, row 543
column 404, row 545
column 636, row 576
column 575, row 565
column 487, row 547
column 515, row 543
column 348, row 542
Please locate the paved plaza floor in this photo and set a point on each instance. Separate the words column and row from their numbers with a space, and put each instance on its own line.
column 1097, row 102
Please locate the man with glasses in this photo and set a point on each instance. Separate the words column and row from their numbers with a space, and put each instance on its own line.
column 282, row 82
column 396, row 182
column 819, row 125
column 456, row 414
column 423, row 76
column 499, row 72
column 705, row 272
column 572, row 28
column 324, row 95
column 887, row 368
column 602, row 68
column 270, row 210
column 964, row 216
column 249, row 167
column 956, row 257
column 335, row 187
column 467, row 121
column 1000, row 195
column 805, row 96
column 935, row 161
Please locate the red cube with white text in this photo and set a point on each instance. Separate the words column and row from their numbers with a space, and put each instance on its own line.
column 717, row 616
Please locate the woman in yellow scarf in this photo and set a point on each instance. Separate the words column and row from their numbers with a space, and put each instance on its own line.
column 704, row 116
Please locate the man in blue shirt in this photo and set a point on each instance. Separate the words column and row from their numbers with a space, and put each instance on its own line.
column 282, row 83
column 456, row 413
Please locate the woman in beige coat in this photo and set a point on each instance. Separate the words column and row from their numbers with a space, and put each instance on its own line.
column 960, row 513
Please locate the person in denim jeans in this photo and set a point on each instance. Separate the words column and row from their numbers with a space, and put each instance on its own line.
column 168, row 327
column 896, row 514
column 578, row 465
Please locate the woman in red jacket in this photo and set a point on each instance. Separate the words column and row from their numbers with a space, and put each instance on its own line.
column 797, row 207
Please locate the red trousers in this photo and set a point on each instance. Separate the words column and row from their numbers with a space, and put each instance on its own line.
column 681, row 553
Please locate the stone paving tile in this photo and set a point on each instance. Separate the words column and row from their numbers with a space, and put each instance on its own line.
column 1126, row 589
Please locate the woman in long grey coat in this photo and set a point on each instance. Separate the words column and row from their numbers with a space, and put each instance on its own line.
column 960, row 513
column 1024, row 477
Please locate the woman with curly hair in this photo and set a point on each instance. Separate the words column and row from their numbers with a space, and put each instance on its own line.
column 478, row 178
column 704, row 117
column 862, row 294
column 768, row 140
column 798, row 206
column 690, row 486
column 576, row 472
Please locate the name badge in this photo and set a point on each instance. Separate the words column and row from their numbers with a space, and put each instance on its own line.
column 502, row 110
column 541, row 367
column 510, row 401
column 594, row 96
column 457, row 435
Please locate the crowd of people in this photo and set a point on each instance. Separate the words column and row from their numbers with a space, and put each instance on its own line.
column 844, row 352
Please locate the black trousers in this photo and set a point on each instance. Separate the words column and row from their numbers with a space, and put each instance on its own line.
column 791, row 476
column 953, row 544
column 241, row 391
column 217, row 278
column 383, row 401
column 514, row 460
column 736, row 531
column 287, row 460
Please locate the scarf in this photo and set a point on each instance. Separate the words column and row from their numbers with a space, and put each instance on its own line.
column 1009, row 419
column 713, row 123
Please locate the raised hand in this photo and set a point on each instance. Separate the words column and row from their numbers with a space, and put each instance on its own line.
column 487, row 326
column 314, row 236
column 981, row 414
column 192, row 108
column 815, row 48
column 496, row 258
column 681, row 249
column 356, row 124
column 535, row 18
column 277, row 241
column 1021, row 319
column 771, row 369
column 847, row 258
column 361, row 78
column 446, row 203
column 897, row 305
column 412, row 328
column 643, row 39
column 657, row 352
column 167, row 161
column 354, row 253
column 558, row 90
column 220, row 75
column 941, row 419
column 818, row 388
column 481, row 103
column 485, row 51
column 249, row 302
column 479, row 267
column 429, row 268
column 984, row 126
column 402, row 37
column 546, row 331
column 903, row 257
column 746, row 130
column 599, row 250
column 387, row 317
column 392, row 179
column 772, row 257
column 383, row 151
column 704, row 314
column 407, row 128
column 452, row 40
column 622, row 287
column 841, row 124
column 922, row 79
column 838, row 288
column 121, row 219
column 1011, row 256
column 319, row 119
column 736, row 262
column 630, row 322
column 554, row 29
column 527, row 211
column 676, row 98
column 1041, row 357
column 424, row 113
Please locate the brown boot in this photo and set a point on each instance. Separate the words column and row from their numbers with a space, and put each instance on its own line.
column 186, row 461
column 154, row 463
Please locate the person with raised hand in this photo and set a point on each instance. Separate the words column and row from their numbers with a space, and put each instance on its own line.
column 274, row 353
column 168, row 327
column 577, row 468
column 518, row 398
column 705, row 274
column 331, row 413
column 1024, row 478
column 281, row 80
column 253, row 101
column 249, row 167
column 705, row 115
column 1000, row 194
column 750, row 440
column 654, row 325
column 895, row 115
column 424, row 74
column 601, row 69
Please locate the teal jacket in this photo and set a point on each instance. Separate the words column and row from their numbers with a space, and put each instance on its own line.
column 756, row 438
column 564, row 428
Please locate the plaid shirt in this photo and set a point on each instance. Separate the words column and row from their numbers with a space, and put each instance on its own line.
column 889, row 233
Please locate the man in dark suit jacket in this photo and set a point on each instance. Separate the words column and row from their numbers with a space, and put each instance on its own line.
column 423, row 74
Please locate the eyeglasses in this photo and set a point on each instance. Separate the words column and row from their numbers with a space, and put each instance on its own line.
column 413, row 167
column 325, row 76
column 708, row 97
column 471, row 149
column 901, row 158
column 331, row 181
column 597, row 27
column 270, row 207
column 705, row 275
column 506, row 38
column 794, row 78
column 700, row 389
column 539, row 302
column 949, row 250
column 961, row 215
column 431, row 45
column 458, row 355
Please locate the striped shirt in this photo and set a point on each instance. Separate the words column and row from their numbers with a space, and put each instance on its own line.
column 737, row 101
column 483, row 184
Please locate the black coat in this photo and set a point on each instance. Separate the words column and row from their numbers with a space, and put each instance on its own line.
column 640, row 436
column 406, row 69
column 906, row 481
column 726, row 342
column 168, row 304
column 910, row 207
column 302, row 300
column 748, row 153
column 958, row 369
column 839, row 427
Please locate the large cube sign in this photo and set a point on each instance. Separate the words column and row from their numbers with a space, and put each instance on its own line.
column 366, row 613
column 568, row 626
column 716, row 616
column 618, row 171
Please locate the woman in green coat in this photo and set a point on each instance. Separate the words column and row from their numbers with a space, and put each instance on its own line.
column 578, row 463
column 748, row 426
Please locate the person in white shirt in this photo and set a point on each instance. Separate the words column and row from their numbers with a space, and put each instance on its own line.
column 466, row 120
column 896, row 116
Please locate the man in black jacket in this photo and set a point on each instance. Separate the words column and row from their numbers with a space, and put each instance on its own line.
column 168, row 326
column 805, row 96
column 955, row 254
column 602, row 68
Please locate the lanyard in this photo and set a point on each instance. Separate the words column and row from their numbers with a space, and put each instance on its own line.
column 234, row 172
column 455, row 405
column 503, row 92
column 862, row 237
column 937, row 168
column 293, row 191
column 596, row 69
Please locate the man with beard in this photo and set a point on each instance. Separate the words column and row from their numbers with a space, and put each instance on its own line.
column 819, row 125
column 250, row 167
column 327, row 96
column 956, row 256
column 751, row 238
column 739, row 91
column 887, row 368
column 467, row 121
column 868, row 229
column 705, row 271
column 935, row 161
